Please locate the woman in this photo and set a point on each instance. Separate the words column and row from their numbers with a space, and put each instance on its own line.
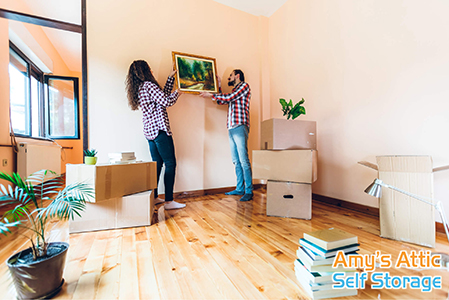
column 144, row 92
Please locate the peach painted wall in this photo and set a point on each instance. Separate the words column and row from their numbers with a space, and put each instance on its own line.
column 39, row 38
column 375, row 78
column 119, row 33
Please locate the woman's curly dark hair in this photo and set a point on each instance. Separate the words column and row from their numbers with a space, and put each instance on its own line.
column 139, row 72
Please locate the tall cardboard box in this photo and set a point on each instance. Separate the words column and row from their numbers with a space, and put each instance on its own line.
column 113, row 181
column 120, row 212
column 287, row 165
column 402, row 217
column 289, row 199
column 281, row 134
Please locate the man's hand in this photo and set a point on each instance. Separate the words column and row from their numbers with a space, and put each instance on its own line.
column 219, row 81
column 206, row 94
column 172, row 73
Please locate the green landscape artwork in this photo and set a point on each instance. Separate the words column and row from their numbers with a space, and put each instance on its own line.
column 195, row 73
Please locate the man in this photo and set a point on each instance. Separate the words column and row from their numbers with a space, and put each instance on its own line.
column 238, row 129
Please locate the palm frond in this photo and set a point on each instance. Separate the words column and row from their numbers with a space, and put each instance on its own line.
column 69, row 202
column 17, row 213
column 6, row 225
column 41, row 177
column 13, row 196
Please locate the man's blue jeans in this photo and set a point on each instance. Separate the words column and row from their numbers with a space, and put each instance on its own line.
column 238, row 139
column 162, row 151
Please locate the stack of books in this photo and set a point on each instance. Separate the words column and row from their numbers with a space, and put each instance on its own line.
column 316, row 254
column 121, row 157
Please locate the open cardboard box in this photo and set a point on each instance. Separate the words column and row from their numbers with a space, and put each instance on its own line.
column 401, row 217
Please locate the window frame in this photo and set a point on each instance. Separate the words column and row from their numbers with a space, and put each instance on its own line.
column 43, row 101
column 76, row 107
column 81, row 29
column 32, row 71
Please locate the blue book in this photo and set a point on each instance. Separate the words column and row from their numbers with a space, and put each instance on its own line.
column 328, row 253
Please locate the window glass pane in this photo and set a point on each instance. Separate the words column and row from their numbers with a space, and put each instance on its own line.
column 62, row 108
column 35, row 99
column 18, row 78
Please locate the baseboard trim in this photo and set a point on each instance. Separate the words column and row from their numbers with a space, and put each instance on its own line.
column 440, row 227
column 372, row 211
column 197, row 193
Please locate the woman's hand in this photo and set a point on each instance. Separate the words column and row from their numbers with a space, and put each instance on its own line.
column 172, row 73
column 205, row 94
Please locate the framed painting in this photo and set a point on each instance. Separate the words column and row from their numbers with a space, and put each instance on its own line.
column 195, row 74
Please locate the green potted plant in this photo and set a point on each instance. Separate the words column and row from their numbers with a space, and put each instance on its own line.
column 90, row 157
column 37, row 271
column 292, row 111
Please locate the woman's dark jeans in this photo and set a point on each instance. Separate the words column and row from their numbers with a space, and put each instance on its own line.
column 162, row 151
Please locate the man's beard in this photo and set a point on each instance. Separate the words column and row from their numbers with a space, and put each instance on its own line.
column 231, row 83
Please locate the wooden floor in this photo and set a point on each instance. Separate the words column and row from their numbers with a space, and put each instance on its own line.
column 215, row 248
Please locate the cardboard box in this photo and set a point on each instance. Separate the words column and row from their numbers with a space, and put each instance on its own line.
column 122, row 212
column 287, row 165
column 281, row 134
column 402, row 217
column 112, row 181
column 289, row 199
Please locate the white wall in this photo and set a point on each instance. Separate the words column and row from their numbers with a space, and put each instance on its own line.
column 375, row 78
column 122, row 31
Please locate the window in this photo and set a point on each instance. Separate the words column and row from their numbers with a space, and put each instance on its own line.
column 42, row 106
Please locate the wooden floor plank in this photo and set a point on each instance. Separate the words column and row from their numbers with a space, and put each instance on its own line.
column 128, row 266
column 264, row 277
column 109, row 283
column 87, row 285
column 215, row 248
column 241, row 282
column 167, row 283
column 216, row 284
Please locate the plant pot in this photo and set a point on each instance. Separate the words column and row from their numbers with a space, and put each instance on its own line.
column 40, row 279
column 89, row 160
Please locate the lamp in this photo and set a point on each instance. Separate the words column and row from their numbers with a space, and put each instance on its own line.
column 375, row 189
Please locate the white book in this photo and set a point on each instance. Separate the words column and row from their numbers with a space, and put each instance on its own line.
column 121, row 155
column 312, row 285
column 312, row 277
column 321, row 268
column 305, row 256
column 328, row 253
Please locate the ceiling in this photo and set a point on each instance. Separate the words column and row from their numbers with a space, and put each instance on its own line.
column 255, row 7
column 68, row 44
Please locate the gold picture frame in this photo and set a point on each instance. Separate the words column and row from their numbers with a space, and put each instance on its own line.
column 195, row 73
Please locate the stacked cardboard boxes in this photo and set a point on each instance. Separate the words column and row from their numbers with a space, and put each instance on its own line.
column 123, row 195
column 289, row 162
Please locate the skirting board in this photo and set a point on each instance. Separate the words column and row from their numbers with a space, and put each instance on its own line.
column 373, row 211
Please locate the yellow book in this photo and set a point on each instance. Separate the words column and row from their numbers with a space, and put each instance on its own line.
column 331, row 238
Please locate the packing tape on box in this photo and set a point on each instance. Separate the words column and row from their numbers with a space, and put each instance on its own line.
column 108, row 183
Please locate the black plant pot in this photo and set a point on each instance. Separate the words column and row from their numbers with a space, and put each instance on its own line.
column 41, row 279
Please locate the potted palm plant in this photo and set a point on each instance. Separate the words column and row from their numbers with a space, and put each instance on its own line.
column 90, row 157
column 37, row 271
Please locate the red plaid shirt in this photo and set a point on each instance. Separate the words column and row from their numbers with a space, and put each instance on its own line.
column 153, row 102
column 238, row 101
